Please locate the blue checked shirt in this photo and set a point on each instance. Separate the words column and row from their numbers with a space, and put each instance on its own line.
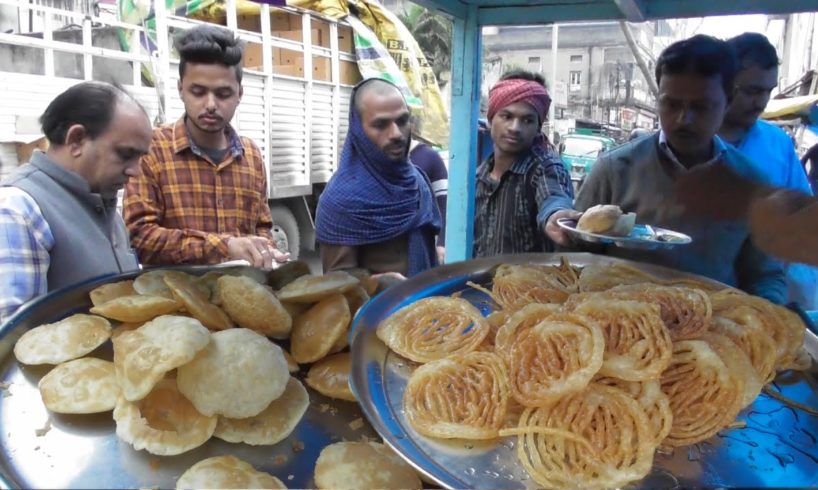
column 25, row 242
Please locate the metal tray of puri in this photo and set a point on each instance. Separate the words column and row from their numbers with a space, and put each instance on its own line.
column 777, row 448
column 49, row 450
column 642, row 237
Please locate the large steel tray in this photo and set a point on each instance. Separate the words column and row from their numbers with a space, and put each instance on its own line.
column 777, row 448
column 47, row 450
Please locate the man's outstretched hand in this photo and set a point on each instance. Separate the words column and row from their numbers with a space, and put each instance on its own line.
column 553, row 230
column 259, row 251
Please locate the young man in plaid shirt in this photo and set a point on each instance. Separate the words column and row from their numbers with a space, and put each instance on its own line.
column 201, row 193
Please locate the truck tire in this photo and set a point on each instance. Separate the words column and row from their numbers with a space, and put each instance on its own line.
column 285, row 230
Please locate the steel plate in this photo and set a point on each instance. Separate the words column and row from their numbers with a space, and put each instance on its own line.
column 641, row 237
column 47, row 450
column 777, row 448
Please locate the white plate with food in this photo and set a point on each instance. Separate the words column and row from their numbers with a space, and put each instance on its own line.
column 608, row 225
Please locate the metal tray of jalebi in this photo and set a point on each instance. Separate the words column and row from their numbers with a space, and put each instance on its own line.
column 778, row 447
column 48, row 450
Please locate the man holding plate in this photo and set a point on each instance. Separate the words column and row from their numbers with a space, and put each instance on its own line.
column 695, row 78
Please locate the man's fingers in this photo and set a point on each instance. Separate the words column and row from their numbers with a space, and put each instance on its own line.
column 566, row 213
column 256, row 258
column 268, row 258
column 259, row 242
column 280, row 256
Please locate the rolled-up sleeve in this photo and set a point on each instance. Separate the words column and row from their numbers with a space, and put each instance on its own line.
column 554, row 190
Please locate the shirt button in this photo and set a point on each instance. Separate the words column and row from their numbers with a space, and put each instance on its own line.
column 219, row 202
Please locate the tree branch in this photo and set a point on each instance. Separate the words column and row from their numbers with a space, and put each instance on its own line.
column 640, row 60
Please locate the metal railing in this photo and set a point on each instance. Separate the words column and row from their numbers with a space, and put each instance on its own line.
column 87, row 49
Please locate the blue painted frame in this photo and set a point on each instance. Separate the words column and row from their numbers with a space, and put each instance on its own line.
column 466, row 72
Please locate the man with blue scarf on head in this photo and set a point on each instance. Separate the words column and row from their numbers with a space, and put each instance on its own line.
column 378, row 212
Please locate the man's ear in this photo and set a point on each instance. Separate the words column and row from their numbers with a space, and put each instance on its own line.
column 241, row 92
column 179, row 87
column 74, row 139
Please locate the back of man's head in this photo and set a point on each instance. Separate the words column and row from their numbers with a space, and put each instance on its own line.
column 518, row 74
column 209, row 44
column 89, row 104
column 700, row 55
column 753, row 49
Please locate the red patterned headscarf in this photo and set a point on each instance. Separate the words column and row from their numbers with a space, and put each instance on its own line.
column 513, row 90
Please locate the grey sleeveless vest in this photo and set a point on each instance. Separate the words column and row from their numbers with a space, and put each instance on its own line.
column 90, row 238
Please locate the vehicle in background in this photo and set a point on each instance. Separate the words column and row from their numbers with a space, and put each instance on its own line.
column 579, row 151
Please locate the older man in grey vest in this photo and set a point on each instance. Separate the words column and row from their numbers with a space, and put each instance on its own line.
column 58, row 219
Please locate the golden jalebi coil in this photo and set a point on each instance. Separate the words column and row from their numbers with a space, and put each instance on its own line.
column 462, row 396
column 521, row 322
column 556, row 357
column 515, row 286
column 597, row 438
column 433, row 328
column 496, row 320
column 739, row 365
column 685, row 311
column 704, row 284
column 601, row 277
column 637, row 343
column 785, row 327
column 704, row 395
column 743, row 327
column 791, row 333
column 650, row 396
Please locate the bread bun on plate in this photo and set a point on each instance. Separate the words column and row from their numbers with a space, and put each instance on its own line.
column 606, row 219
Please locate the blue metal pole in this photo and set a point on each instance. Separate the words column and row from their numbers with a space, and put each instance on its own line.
column 466, row 73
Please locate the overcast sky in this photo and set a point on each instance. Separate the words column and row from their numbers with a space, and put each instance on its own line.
column 732, row 25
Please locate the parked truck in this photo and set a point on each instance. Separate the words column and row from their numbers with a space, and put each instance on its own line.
column 299, row 71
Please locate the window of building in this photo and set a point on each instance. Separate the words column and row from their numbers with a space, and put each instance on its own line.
column 575, row 80
column 576, row 58
column 533, row 59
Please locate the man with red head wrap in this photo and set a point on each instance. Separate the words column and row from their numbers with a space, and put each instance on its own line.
column 523, row 182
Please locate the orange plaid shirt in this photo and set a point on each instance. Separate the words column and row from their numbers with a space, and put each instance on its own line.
column 182, row 208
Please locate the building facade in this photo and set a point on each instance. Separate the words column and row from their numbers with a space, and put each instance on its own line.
column 597, row 75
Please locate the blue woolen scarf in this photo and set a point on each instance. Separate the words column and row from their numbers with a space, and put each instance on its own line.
column 371, row 199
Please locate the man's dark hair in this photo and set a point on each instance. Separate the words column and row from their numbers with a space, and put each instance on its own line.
column 700, row 55
column 753, row 49
column 518, row 74
column 209, row 44
column 90, row 104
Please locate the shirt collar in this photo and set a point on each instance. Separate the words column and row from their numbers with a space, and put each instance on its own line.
column 519, row 167
column 719, row 148
column 523, row 163
column 183, row 141
column 68, row 178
